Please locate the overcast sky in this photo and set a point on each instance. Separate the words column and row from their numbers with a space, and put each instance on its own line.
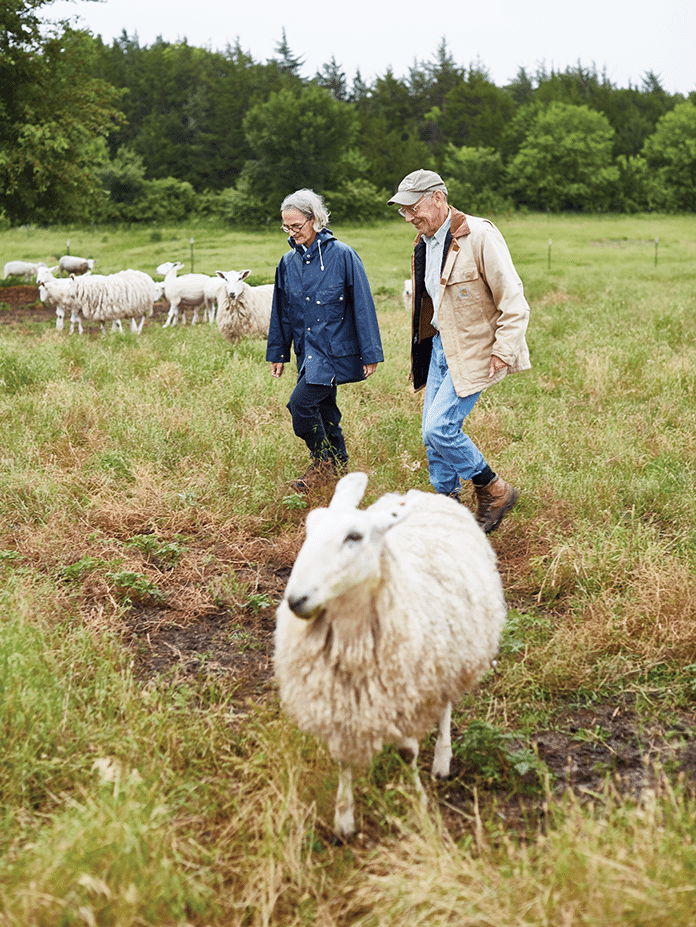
column 624, row 38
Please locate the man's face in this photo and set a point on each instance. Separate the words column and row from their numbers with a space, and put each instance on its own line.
column 428, row 214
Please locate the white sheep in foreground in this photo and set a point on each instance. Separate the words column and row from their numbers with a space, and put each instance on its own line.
column 128, row 294
column 245, row 310
column 54, row 293
column 71, row 264
column 25, row 269
column 389, row 614
column 187, row 292
column 406, row 294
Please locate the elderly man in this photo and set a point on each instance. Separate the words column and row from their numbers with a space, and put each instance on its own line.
column 469, row 322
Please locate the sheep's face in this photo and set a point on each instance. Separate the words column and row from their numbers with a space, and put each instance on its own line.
column 165, row 268
column 341, row 551
column 234, row 280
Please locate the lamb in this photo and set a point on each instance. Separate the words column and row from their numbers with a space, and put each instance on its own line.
column 55, row 294
column 389, row 614
column 70, row 264
column 406, row 294
column 128, row 294
column 187, row 292
column 246, row 310
column 24, row 269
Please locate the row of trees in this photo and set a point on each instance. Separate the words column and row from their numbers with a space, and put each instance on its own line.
column 157, row 133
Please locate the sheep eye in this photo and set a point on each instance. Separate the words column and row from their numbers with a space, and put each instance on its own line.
column 353, row 537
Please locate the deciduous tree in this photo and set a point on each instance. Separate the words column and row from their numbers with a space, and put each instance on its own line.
column 565, row 160
column 53, row 118
column 671, row 154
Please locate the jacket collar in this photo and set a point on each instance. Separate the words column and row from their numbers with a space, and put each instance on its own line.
column 322, row 236
column 458, row 225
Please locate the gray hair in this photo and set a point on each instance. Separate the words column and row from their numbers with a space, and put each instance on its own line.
column 310, row 204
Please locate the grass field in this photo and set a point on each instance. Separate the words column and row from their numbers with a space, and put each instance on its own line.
column 143, row 493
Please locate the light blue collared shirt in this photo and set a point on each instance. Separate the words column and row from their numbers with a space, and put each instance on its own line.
column 434, row 249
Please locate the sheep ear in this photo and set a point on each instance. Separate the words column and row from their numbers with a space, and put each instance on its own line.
column 243, row 274
column 220, row 273
column 349, row 491
column 386, row 518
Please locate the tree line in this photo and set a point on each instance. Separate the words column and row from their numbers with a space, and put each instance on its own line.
column 124, row 132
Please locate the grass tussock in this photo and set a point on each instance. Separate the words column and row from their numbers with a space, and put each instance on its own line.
column 148, row 774
column 604, row 862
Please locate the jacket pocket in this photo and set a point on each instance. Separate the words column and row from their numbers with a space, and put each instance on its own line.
column 330, row 302
column 344, row 348
column 463, row 283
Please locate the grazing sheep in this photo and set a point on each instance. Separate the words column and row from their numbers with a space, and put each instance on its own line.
column 128, row 294
column 245, row 310
column 187, row 292
column 24, row 269
column 389, row 614
column 70, row 264
column 406, row 294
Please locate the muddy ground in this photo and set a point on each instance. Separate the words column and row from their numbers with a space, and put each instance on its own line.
column 190, row 635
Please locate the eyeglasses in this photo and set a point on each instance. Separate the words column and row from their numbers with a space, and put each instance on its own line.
column 408, row 211
column 294, row 229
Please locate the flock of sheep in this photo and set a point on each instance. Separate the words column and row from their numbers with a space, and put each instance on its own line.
column 239, row 309
column 390, row 613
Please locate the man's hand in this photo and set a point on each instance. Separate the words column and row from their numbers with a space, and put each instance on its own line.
column 496, row 365
column 369, row 369
column 277, row 370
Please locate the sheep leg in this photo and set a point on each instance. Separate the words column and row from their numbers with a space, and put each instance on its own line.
column 344, row 820
column 194, row 320
column 60, row 320
column 75, row 319
column 408, row 751
column 443, row 746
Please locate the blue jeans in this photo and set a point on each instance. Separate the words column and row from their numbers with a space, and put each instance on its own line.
column 452, row 455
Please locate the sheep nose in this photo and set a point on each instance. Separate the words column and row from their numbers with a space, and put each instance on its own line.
column 297, row 603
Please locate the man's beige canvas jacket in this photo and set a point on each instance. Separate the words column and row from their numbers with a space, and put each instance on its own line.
column 482, row 308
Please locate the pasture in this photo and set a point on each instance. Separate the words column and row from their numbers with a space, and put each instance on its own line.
column 146, row 532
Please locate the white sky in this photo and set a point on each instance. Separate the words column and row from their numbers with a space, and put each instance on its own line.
column 625, row 38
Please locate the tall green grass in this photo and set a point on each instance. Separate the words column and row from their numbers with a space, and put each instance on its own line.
column 167, row 802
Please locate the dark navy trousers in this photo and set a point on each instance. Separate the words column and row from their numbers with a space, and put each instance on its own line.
column 316, row 419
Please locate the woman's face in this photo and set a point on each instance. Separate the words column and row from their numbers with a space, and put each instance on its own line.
column 301, row 228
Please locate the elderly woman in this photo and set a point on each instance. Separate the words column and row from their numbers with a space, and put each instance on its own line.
column 323, row 307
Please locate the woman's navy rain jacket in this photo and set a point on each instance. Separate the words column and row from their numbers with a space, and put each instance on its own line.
column 323, row 306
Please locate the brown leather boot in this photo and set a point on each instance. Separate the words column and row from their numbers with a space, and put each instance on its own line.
column 317, row 473
column 493, row 502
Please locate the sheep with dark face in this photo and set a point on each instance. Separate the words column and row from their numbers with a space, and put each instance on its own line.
column 390, row 613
